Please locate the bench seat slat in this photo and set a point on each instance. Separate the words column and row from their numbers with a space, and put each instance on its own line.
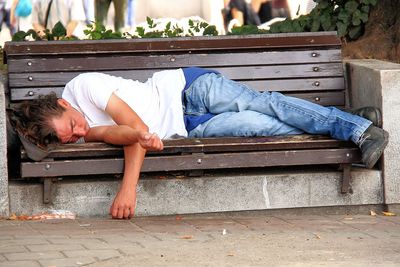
column 287, row 86
column 319, row 70
column 209, row 60
column 205, row 145
column 264, row 42
column 194, row 162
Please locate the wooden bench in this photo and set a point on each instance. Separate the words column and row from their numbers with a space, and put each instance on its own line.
column 306, row 65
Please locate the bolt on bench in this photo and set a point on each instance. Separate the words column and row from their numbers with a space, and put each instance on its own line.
column 305, row 65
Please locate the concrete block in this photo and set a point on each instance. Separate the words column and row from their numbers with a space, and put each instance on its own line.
column 377, row 83
column 4, row 201
column 213, row 193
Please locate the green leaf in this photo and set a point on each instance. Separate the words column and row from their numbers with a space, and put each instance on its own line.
column 140, row 31
column 365, row 9
column 364, row 17
column 351, row 6
column 210, row 30
column 355, row 32
column 59, row 30
column 191, row 23
column 344, row 16
column 356, row 20
column 149, row 22
column 19, row 36
column 341, row 28
column 315, row 25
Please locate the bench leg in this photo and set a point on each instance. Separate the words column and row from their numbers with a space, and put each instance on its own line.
column 346, row 188
column 47, row 185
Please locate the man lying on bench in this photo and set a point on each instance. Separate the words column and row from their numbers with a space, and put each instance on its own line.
column 189, row 102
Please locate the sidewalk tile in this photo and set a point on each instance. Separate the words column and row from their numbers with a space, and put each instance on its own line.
column 101, row 254
column 33, row 255
column 68, row 262
column 5, row 248
column 20, row 264
column 27, row 241
column 89, row 243
column 216, row 225
column 54, row 247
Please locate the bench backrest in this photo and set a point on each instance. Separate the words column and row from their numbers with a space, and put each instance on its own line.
column 306, row 65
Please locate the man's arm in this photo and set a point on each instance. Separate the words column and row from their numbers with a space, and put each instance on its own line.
column 133, row 133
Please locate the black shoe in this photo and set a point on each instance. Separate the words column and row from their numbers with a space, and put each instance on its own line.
column 370, row 113
column 372, row 143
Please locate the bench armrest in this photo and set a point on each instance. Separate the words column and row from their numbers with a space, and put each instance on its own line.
column 377, row 83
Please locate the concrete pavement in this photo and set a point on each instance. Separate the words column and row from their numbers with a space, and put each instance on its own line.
column 261, row 238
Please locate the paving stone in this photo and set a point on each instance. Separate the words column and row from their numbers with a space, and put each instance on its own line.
column 27, row 241
column 33, row 255
column 2, row 258
column 101, row 254
column 216, row 225
column 5, row 248
column 68, row 262
column 54, row 247
column 89, row 243
column 20, row 264
column 165, row 226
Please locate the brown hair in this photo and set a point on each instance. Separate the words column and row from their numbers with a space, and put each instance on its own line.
column 34, row 119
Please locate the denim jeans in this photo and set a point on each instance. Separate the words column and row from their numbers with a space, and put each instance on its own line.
column 242, row 111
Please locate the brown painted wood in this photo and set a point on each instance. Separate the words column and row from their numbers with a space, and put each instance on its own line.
column 205, row 145
column 207, row 60
column 317, row 71
column 193, row 162
column 265, row 42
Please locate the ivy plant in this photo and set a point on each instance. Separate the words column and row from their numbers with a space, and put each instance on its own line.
column 347, row 17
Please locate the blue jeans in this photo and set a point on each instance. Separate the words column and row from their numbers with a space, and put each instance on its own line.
column 241, row 111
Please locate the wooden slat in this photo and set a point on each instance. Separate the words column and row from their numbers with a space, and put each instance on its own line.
column 284, row 85
column 263, row 41
column 193, row 162
column 205, row 145
column 207, row 60
column 325, row 98
column 235, row 73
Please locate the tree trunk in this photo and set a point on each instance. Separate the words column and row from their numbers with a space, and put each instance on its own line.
column 381, row 39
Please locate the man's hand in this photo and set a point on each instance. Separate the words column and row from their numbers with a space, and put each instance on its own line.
column 124, row 203
column 150, row 141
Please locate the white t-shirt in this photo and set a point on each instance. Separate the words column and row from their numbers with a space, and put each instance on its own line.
column 158, row 101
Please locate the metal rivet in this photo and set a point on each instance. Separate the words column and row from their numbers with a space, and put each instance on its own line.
column 315, row 69
column 347, row 155
column 317, row 99
column 31, row 93
column 172, row 59
column 29, row 63
column 199, row 161
column 316, row 83
column 30, row 78
column 313, row 54
column 47, row 166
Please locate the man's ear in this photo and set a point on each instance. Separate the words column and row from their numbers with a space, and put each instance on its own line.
column 64, row 103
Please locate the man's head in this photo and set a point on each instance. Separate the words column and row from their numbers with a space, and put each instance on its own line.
column 49, row 120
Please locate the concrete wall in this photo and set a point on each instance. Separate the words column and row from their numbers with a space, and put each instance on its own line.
column 211, row 193
column 377, row 83
column 4, row 203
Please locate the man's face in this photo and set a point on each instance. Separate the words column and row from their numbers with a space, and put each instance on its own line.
column 71, row 126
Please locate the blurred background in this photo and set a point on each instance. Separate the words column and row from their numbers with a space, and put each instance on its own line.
column 126, row 15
